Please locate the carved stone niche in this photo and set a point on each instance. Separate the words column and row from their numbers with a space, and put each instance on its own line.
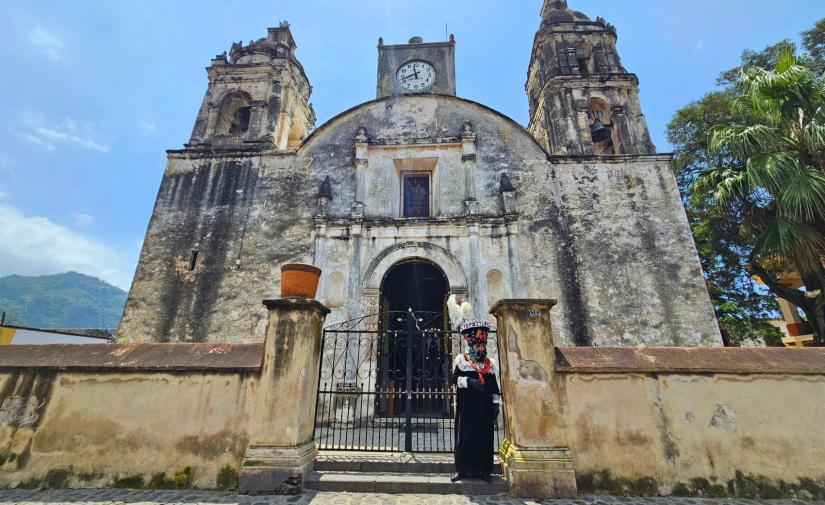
column 508, row 195
column 361, row 147
column 468, row 142
column 324, row 197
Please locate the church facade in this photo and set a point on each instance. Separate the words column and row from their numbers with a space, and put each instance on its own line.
column 418, row 193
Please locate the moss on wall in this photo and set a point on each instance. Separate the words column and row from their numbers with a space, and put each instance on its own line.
column 603, row 481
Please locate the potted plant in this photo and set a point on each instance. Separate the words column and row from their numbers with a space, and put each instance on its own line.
column 299, row 280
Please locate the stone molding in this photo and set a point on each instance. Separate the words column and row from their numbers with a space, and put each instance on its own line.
column 409, row 250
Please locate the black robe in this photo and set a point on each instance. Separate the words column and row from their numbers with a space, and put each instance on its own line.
column 474, row 422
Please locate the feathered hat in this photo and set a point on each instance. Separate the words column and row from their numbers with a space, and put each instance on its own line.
column 462, row 317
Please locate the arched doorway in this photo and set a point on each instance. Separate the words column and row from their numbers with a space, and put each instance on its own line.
column 414, row 284
column 413, row 294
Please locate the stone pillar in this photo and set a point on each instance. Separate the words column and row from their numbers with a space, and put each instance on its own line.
column 535, row 456
column 281, row 448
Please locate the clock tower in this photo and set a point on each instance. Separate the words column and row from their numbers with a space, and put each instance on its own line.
column 416, row 67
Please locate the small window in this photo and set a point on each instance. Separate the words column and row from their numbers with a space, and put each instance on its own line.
column 582, row 59
column 416, row 197
column 193, row 260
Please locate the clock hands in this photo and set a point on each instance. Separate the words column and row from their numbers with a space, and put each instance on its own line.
column 411, row 75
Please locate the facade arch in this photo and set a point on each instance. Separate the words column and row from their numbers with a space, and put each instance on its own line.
column 390, row 256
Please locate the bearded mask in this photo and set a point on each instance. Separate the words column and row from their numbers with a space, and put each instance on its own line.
column 477, row 340
column 478, row 352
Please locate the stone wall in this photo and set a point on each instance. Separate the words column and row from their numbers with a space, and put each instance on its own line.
column 623, row 261
column 606, row 235
column 736, row 427
column 649, row 421
column 86, row 427
column 695, row 421
column 164, row 415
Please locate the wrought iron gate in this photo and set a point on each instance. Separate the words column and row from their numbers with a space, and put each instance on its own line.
column 385, row 384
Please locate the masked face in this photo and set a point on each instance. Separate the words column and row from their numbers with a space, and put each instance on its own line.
column 479, row 351
column 478, row 344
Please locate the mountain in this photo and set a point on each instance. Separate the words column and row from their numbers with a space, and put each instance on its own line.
column 69, row 300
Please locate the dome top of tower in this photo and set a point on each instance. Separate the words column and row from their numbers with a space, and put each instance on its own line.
column 556, row 11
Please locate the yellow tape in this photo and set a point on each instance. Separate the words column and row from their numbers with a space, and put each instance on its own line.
column 6, row 334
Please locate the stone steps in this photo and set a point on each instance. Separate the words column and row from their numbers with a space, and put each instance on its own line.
column 396, row 482
column 388, row 465
column 375, row 472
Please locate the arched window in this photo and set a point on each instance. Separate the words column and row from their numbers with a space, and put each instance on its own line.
column 601, row 126
column 234, row 113
column 240, row 120
column 583, row 53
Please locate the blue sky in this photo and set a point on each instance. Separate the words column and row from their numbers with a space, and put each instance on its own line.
column 96, row 91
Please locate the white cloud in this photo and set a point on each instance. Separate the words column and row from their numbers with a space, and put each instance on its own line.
column 31, row 245
column 84, row 219
column 146, row 126
column 47, row 42
column 699, row 45
column 37, row 140
column 49, row 136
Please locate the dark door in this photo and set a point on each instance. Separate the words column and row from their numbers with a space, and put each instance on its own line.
column 417, row 288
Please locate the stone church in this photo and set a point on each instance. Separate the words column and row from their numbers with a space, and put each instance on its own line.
column 420, row 192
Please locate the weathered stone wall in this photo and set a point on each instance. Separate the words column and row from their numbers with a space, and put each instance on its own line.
column 606, row 235
column 164, row 415
column 729, row 433
column 624, row 265
column 649, row 421
column 101, row 428
column 245, row 214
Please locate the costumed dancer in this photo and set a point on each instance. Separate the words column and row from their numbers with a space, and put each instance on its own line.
column 478, row 396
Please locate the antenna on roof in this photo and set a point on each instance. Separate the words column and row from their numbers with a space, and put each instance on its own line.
column 445, row 30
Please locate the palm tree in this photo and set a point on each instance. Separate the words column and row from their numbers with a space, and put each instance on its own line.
column 777, row 185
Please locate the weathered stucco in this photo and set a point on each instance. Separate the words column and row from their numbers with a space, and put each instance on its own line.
column 608, row 236
column 67, row 421
column 683, row 430
column 701, row 421
column 100, row 428
column 603, row 233
column 704, row 421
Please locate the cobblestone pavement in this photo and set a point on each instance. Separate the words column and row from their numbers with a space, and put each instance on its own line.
column 121, row 496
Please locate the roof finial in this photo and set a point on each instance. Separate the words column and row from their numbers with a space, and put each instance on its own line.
column 553, row 5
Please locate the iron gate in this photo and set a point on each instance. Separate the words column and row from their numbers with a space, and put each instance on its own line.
column 385, row 384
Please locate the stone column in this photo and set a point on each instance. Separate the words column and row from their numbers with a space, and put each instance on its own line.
column 535, row 456
column 281, row 448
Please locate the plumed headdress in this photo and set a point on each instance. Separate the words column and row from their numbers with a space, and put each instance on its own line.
column 461, row 317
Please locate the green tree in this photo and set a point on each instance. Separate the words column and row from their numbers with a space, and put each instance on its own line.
column 723, row 242
column 776, row 187
column 719, row 238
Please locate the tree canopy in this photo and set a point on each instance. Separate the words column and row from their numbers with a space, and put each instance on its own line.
column 748, row 160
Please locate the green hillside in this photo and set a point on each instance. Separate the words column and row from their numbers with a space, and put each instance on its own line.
column 69, row 300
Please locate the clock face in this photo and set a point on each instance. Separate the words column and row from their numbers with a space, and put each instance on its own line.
column 415, row 75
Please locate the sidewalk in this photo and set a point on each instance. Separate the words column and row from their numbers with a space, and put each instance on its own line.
column 150, row 497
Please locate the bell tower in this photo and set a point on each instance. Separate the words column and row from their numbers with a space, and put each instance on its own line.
column 582, row 100
column 258, row 97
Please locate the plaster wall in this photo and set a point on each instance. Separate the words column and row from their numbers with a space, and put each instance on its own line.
column 97, row 428
column 711, row 434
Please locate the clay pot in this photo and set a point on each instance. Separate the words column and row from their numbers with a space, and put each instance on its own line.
column 299, row 280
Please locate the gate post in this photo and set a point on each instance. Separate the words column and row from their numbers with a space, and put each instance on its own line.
column 282, row 449
column 535, row 455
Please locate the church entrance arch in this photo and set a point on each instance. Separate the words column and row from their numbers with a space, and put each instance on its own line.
column 385, row 378
column 414, row 285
